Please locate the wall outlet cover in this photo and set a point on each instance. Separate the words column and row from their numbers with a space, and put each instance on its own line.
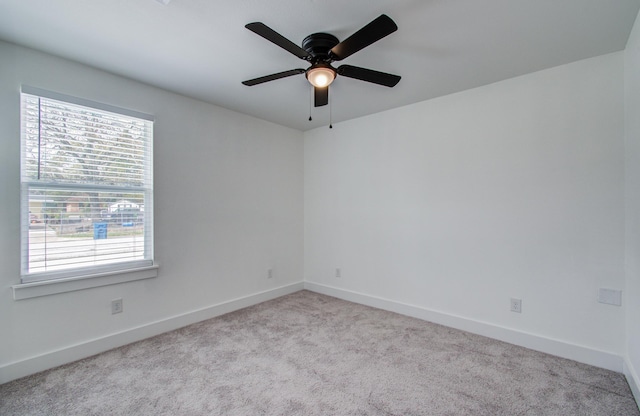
column 516, row 305
column 116, row 306
column 610, row 296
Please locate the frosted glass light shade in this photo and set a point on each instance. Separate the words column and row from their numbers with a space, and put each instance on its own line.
column 321, row 76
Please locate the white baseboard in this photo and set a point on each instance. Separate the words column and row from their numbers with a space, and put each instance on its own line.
column 82, row 350
column 633, row 380
column 558, row 348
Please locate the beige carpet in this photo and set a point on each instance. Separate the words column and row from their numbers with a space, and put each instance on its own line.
column 309, row 354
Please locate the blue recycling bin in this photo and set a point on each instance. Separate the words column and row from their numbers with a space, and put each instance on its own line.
column 99, row 230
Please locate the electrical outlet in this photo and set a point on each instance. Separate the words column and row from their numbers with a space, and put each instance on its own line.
column 116, row 306
column 270, row 274
column 338, row 273
column 516, row 305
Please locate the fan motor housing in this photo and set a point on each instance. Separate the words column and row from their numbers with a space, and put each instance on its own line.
column 318, row 45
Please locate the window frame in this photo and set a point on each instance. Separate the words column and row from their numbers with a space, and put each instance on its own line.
column 76, row 278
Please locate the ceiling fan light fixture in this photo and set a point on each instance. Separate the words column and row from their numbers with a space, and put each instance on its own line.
column 320, row 75
column 321, row 49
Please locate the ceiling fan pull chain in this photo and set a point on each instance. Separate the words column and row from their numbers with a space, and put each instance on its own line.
column 330, row 113
column 310, row 102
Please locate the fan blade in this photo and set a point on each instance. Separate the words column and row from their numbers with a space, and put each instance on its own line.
column 274, row 37
column 320, row 96
column 273, row 77
column 369, row 75
column 373, row 32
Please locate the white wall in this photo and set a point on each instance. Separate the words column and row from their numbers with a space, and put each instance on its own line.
column 457, row 204
column 632, row 153
column 228, row 206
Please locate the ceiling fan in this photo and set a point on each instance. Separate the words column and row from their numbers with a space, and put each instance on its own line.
column 321, row 49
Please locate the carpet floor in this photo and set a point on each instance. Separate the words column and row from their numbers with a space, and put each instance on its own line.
column 310, row 354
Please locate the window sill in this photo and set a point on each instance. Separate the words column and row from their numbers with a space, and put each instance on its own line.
column 51, row 287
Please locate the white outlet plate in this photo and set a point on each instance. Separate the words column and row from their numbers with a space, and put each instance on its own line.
column 270, row 274
column 338, row 273
column 516, row 305
column 610, row 296
column 116, row 306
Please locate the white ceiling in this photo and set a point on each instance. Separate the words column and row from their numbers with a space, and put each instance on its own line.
column 201, row 49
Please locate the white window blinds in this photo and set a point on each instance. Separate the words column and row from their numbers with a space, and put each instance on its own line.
column 87, row 187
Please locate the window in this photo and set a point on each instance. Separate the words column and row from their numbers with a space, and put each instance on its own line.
column 86, row 187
